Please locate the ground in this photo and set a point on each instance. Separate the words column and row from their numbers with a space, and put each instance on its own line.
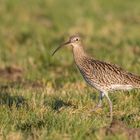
column 44, row 97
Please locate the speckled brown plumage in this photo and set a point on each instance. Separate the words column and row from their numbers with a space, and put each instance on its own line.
column 103, row 76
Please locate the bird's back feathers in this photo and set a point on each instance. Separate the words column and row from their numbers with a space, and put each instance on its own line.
column 106, row 75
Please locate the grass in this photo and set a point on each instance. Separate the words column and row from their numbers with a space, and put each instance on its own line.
column 44, row 97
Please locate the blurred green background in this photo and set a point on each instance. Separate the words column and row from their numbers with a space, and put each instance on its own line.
column 44, row 97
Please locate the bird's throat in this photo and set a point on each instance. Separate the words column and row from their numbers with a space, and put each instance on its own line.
column 79, row 54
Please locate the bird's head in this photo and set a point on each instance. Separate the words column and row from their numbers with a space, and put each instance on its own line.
column 74, row 41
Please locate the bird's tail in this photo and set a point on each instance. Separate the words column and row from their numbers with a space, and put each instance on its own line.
column 134, row 80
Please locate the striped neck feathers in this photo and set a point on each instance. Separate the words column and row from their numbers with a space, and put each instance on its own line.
column 79, row 54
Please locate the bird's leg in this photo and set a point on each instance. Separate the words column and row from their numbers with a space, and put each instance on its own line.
column 99, row 105
column 110, row 105
column 100, row 100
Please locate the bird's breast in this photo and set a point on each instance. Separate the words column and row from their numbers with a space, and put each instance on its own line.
column 89, row 78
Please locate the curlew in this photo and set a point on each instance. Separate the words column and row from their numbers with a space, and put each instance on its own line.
column 100, row 75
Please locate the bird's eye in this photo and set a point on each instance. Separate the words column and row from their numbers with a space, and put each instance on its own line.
column 77, row 39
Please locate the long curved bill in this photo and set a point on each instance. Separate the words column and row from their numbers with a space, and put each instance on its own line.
column 62, row 45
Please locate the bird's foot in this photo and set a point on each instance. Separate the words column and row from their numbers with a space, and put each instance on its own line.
column 98, row 106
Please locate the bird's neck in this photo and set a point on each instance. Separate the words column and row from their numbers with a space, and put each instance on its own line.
column 79, row 54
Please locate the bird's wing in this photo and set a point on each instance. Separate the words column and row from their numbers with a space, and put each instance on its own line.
column 114, row 73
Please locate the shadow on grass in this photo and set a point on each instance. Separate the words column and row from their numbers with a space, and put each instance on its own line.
column 30, row 124
column 7, row 99
column 58, row 104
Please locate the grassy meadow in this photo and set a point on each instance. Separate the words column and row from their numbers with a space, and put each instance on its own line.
column 44, row 97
